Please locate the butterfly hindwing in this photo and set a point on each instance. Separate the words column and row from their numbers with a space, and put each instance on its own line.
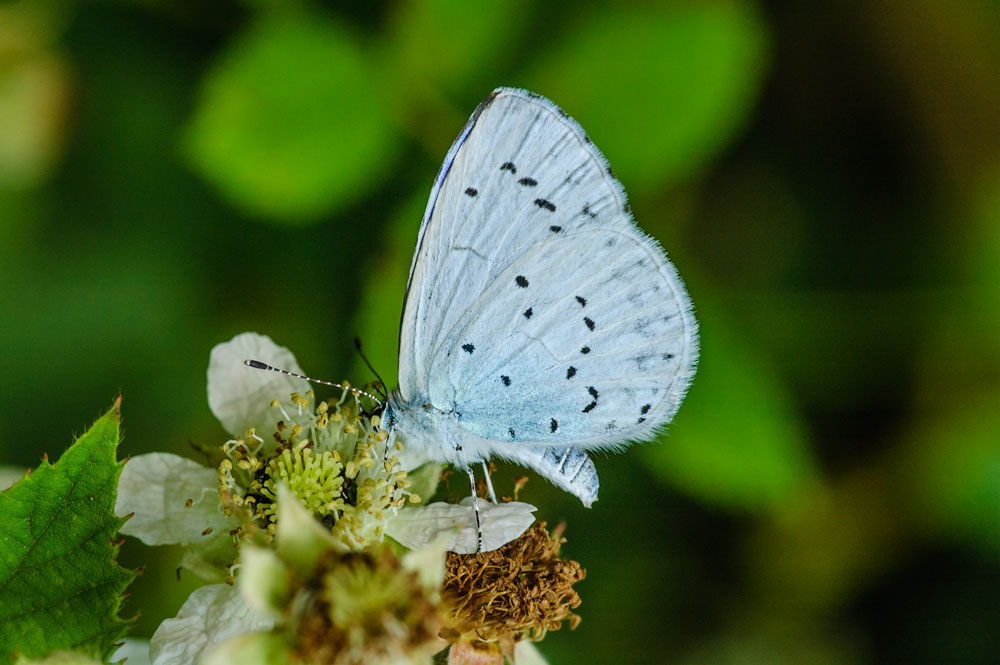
column 567, row 467
column 604, row 357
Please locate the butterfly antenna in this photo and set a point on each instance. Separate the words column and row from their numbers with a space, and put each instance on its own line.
column 357, row 345
column 256, row 364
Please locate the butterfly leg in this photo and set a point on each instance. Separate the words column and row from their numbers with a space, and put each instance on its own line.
column 489, row 483
column 475, row 504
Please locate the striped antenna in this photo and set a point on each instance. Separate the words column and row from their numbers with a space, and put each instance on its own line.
column 256, row 364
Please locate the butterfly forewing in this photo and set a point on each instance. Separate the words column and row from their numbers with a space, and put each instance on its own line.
column 521, row 171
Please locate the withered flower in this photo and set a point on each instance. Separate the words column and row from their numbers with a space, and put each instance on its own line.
column 520, row 591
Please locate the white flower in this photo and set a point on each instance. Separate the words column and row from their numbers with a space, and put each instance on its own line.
column 239, row 396
column 331, row 456
column 157, row 487
column 526, row 653
column 209, row 616
column 501, row 523
column 318, row 478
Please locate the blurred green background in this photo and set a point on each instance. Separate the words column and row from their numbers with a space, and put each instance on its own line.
column 825, row 177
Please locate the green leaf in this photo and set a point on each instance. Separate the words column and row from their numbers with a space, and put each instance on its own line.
column 951, row 470
column 60, row 585
column 452, row 44
column 737, row 440
column 662, row 87
column 61, row 658
column 289, row 124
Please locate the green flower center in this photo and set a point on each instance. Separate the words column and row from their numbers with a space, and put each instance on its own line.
column 317, row 481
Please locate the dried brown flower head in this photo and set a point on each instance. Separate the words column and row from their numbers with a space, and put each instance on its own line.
column 523, row 589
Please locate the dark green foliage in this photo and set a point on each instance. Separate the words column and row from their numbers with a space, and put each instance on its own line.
column 60, row 586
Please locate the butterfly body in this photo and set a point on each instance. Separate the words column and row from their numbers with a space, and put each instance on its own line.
column 539, row 321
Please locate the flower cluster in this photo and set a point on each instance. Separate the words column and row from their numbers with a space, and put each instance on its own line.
column 323, row 547
column 334, row 459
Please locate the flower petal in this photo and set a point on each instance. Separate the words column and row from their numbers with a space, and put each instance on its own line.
column 133, row 651
column 501, row 523
column 240, row 396
column 156, row 488
column 263, row 580
column 10, row 475
column 249, row 649
column 300, row 540
column 210, row 615
column 428, row 563
column 526, row 653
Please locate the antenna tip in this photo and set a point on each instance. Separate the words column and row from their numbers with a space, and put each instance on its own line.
column 256, row 364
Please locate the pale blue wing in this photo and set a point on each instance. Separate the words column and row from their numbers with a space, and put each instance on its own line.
column 519, row 172
column 567, row 468
column 587, row 339
column 536, row 310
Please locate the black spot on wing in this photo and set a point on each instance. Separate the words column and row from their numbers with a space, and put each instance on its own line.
column 593, row 391
column 555, row 229
column 508, row 166
column 468, row 348
column 668, row 356
column 585, row 350
column 511, row 432
column 528, row 182
column 589, row 322
column 505, row 379
column 521, row 281
column 582, row 301
column 545, row 205
column 528, row 313
column 571, row 372
column 643, row 361
column 554, row 425
column 471, row 191
column 588, row 212
column 645, row 409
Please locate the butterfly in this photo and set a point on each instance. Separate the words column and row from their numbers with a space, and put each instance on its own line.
column 539, row 321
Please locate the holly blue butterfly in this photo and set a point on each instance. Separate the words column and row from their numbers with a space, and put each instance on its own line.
column 539, row 322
